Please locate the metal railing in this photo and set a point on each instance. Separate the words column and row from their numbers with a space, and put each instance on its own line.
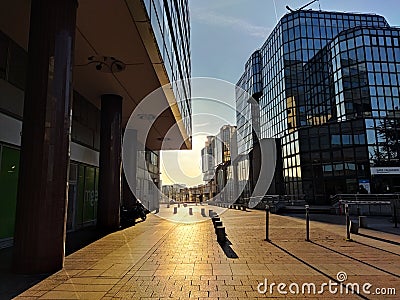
column 369, row 204
column 363, row 198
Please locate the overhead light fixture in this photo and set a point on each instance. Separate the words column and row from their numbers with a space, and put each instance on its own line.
column 107, row 64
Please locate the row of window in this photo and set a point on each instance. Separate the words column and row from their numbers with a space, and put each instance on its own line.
column 13, row 62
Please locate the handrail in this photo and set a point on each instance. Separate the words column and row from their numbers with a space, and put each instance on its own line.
column 363, row 197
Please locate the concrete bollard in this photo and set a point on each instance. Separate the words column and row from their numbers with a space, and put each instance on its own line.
column 362, row 222
column 175, row 210
column 354, row 225
column 190, row 211
column 203, row 212
column 221, row 236
column 217, row 224
column 215, row 219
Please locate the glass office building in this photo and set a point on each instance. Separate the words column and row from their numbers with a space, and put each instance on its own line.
column 329, row 93
column 170, row 21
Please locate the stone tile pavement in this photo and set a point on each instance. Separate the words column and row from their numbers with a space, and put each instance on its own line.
column 158, row 259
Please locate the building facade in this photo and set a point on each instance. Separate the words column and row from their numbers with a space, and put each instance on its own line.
column 207, row 160
column 320, row 79
column 60, row 140
column 218, row 171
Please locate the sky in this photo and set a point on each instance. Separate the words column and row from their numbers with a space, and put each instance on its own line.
column 224, row 33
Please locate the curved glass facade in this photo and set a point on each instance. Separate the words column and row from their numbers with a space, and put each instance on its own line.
column 330, row 93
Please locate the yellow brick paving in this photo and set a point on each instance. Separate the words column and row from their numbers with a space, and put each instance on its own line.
column 157, row 259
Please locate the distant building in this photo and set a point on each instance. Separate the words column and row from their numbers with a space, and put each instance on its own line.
column 217, row 155
column 207, row 160
column 173, row 192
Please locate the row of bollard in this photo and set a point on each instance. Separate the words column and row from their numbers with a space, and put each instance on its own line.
column 190, row 210
column 307, row 208
column 218, row 226
column 232, row 206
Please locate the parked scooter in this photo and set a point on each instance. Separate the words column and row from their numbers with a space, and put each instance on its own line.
column 129, row 215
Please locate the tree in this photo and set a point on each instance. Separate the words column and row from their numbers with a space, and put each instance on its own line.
column 388, row 132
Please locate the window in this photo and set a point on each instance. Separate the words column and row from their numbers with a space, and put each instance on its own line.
column 18, row 65
column 3, row 55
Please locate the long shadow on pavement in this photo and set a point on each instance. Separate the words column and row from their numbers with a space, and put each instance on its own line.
column 387, row 251
column 356, row 259
column 379, row 239
column 317, row 270
column 226, row 247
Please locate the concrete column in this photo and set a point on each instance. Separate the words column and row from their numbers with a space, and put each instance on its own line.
column 42, row 188
column 110, row 163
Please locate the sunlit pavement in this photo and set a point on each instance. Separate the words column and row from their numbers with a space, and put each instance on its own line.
column 188, row 212
column 158, row 259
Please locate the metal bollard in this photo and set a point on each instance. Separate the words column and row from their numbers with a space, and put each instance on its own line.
column 175, row 210
column 210, row 213
column 267, row 222
column 190, row 211
column 307, row 223
column 203, row 212
column 346, row 210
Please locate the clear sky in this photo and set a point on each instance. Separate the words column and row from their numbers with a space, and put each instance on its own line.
column 224, row 33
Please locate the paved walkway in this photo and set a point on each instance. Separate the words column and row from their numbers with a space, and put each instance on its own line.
column 157, row 259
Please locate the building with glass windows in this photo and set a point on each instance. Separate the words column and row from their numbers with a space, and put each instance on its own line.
column 330, row 94
column 218, row 171
column 70, row 78
column 207, row 160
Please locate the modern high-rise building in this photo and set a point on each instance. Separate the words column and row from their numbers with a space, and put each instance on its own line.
column 217, row 167
column 70, row 77
column 326, row 85
column 207, row 160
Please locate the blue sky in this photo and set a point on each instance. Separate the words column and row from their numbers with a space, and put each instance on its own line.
column 224, row 33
